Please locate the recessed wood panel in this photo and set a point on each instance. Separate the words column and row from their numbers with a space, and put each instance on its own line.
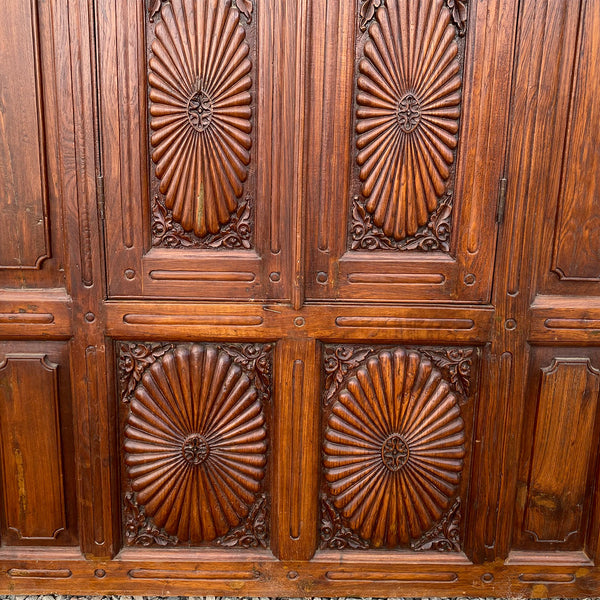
column 200, row 85
column 577, row 234
column 406, row 125
column 24, row 242
column 396, row 427
column 403, row 210
column 195, row 191
column 195, row 443
column 559, row 452
column 32, row 467
column 564, row 146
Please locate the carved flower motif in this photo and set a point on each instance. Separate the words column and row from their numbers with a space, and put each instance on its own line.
column 245, row 7
column 200, row 107
column 367, row 12
column 459, row 14
column 394, row 448
column 195, row 439
column 409, row 109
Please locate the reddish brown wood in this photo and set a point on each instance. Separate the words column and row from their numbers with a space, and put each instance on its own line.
column 559, row 437
column 300, row 298
column 25, row 243
column 36, row 445
column 195, row 443
column 32, row 471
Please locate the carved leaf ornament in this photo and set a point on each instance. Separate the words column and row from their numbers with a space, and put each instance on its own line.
column 195, row 439
column 408, row 111
column 394, row 448
column 200, row 109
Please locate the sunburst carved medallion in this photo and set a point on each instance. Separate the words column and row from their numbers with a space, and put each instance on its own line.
column 195, row 442
column 409, row 95
column 394, row 448
column 200, row 111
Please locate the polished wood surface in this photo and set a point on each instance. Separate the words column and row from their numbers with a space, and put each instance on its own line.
column 300, row 298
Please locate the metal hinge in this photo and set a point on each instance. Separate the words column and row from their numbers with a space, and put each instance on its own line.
column 100, row 195
column 501, row 200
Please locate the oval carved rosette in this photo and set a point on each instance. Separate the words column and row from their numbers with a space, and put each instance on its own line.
column 200, row 82
column 407, row 123
column 195, row 440
column 394, row 448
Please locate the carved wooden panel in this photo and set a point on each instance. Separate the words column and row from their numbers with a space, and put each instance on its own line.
column 32, row 464
column 200, row 105
column 334, row 213
column 194, row 186
column 560, row 437
column 25, row 239
column 195, row 443
column 395, row 446
column 407, row 121
column 403, row 188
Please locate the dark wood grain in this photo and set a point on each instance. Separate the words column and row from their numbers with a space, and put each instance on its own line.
column 36, row 422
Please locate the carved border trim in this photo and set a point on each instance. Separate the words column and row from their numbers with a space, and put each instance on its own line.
column 458, row 9
column 253, row 532
column 333, row 532
column 139, row 529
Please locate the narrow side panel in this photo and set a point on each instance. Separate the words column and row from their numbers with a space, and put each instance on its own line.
column 23, row 194
column 558, row 455
column 577, row 235
column 32, row 471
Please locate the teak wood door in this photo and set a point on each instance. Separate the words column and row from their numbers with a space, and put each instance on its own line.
column 300, row 297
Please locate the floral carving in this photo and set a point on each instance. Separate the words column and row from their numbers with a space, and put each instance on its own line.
column 138, row 528
column 195, row 439
column 435, row 236
column 200, row 110
column 134, row 358
column 245, row 7
column 256, row 361
column 394, row 448
column 458, row 10
column 154, row 8
column 367, row 12
column 409, row 96
column 236, row 234
column 445, row 535
column 456, row 365
column 334, row 534
column 253, row 532
column 339, row 361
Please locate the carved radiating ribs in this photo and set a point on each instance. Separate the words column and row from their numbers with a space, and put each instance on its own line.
column 407, row 121
column 394, row 449
column 195, row 442
column 200, row 82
